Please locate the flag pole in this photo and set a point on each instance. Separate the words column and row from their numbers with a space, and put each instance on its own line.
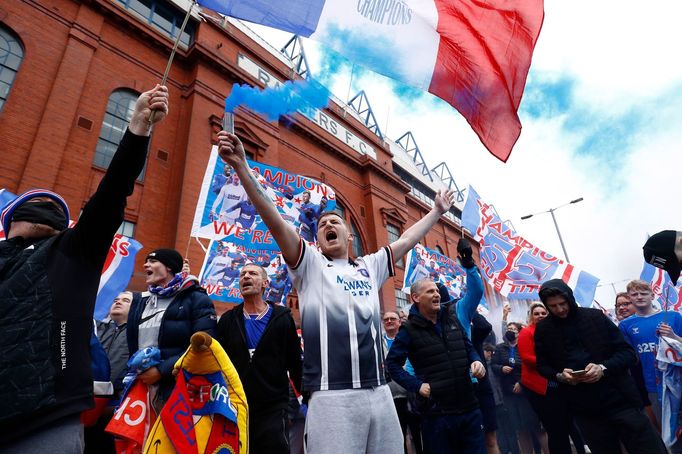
column 172, row 55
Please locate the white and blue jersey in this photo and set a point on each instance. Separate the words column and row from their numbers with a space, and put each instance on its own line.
column 640, row 331
column 341, row 318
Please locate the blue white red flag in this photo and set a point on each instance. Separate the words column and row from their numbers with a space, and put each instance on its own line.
column 474, row 55
column 666, row 295
column 512, row 265
column 220, row 272
column 224, row 212
column 116, row 273
column 669, row 356
column 425, row 263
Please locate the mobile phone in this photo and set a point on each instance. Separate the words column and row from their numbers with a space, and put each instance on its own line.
column 579, row 372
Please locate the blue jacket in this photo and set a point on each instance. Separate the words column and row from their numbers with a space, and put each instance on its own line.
column 190, row 311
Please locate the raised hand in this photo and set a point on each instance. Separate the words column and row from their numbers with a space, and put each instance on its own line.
column 154, row 100
column 444, row 200
column 231, row 149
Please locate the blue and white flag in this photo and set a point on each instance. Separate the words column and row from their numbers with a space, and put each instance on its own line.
column 425, row 263
column 116, row 273
column 669, row 356
column 220, row 272
column 666, row 295
column 224, row 212
column 512, row 265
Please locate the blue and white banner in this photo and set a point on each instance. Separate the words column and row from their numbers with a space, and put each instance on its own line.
column 220, row 272
column 224, row 212
column 425, row 263
column 512, row 265
column 669, row 356
column 116, row 273
column 666, row 295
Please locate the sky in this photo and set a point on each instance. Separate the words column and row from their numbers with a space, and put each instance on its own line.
column 602, row 120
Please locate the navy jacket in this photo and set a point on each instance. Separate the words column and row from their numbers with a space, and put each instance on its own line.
column 190, row 311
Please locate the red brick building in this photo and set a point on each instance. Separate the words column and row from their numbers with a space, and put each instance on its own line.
column 71, row 69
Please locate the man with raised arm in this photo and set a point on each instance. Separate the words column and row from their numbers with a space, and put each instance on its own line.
column 350, row 408
column 49, row 275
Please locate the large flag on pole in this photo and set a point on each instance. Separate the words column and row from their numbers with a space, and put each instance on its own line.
column 512, row 265
column 475, row 55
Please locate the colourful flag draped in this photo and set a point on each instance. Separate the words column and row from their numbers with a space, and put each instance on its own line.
column 116, row 273
column 669, row 356
column 666, row 294
column 474, row 55
column 512, row 265
column 425, row 263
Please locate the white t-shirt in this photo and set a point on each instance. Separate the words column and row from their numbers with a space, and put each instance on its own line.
column 341, row 318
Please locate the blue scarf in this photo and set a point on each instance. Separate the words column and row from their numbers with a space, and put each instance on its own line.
column 170, row 289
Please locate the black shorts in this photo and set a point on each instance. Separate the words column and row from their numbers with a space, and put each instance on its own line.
column 486, row 400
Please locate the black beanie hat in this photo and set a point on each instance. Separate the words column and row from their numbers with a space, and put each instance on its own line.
column 659, row 251
column 169, row 257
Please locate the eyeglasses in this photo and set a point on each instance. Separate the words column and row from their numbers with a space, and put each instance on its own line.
column 390, row 319
column 623, row 304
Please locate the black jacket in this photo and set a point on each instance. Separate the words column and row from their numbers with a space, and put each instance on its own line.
column 441, row 357
column 586, row 336
column 47, row 299
column 264, row 376
column 190, row 311
column 500, row 359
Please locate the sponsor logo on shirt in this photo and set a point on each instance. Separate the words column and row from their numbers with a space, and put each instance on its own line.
column 354, row 287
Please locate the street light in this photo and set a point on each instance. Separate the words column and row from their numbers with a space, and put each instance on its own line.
column 551, row 211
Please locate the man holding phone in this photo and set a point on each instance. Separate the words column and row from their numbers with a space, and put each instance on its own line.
column 589, row 357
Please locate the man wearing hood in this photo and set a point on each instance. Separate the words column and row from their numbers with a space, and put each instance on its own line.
column 442, row 355
column 587, row 354
column 49, row 275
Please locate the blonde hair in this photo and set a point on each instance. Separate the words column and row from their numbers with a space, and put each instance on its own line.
column 531, row 308
column 638, row 284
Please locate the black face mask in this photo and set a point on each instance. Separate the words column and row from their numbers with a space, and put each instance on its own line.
column 41, row 213
column 510, row 336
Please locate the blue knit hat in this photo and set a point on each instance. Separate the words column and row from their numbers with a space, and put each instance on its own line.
column 8, row 210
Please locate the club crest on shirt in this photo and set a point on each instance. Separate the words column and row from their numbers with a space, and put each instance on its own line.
column 635, row 330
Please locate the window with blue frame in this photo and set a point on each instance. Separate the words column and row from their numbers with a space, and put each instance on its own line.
column 163, row 16
column 11, row 55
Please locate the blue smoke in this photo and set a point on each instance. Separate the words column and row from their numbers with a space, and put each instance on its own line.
column 298, row 96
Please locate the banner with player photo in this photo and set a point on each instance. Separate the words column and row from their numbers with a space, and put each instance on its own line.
column 220, row 272
column 425, row 263
column 224, row 212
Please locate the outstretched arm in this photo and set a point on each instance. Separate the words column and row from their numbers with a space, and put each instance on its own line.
column 232, row 152
column 411, row 236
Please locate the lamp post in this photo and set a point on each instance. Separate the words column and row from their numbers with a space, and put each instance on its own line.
column 551, row 211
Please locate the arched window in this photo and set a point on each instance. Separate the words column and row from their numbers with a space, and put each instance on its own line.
column 119, row 110
column 358, row 250
column 11, row 55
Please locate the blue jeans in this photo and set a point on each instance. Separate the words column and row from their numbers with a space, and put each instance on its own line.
column 456, row 433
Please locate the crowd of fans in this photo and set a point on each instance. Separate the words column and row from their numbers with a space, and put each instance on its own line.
column 429, row 379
